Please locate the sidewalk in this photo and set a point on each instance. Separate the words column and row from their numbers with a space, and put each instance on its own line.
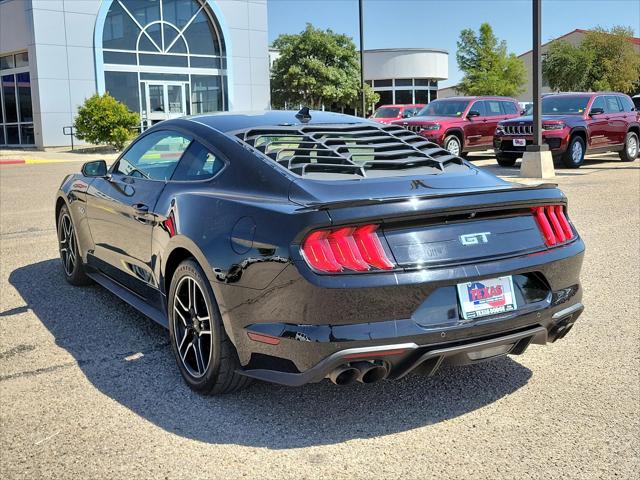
column 57, row 155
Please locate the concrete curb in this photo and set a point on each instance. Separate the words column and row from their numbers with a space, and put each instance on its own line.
column 34, row 161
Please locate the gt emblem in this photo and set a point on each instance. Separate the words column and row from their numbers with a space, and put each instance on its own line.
column 475, row 238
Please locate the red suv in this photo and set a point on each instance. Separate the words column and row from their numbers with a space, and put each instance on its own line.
column 573, row 124
column 462, row 124
column 390, row 113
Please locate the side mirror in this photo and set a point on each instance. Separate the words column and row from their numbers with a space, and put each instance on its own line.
column 523, row 111
column 473, row 113
column 596, row 111
column 97, row 168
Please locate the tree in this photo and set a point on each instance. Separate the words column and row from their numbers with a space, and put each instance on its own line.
column 488, row 68
column 604, row 60
column 102, row 119
column 317, row 68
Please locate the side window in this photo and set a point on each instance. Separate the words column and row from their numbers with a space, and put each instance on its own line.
column 480, row 108
column 599, row 103
column 493, row 108
column 154, row 156
column 509, row 108
column 612, row 104
column 198, row 163
column 627, row 104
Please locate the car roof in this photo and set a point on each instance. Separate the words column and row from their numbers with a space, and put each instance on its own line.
column 570, row 94
column 478, row 97
column 232, row 121
column 401, row 105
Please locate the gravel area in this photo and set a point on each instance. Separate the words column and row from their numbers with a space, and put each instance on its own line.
column 89, row 388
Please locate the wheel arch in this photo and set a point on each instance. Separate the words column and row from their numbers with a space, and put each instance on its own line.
column 184, row 248
column 60, row 202
column 635, row 129
column 457, row 131
column 582, row 133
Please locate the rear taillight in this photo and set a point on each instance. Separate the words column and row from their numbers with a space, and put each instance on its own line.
column 346, row 248
column 553, row 224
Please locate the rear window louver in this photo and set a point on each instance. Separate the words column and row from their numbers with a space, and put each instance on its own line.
column 362, row 150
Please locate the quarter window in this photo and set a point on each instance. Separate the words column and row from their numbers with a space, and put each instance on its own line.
column 198, row 163
column 154, row 156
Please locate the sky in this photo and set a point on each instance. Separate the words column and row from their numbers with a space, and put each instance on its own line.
column 437, row 23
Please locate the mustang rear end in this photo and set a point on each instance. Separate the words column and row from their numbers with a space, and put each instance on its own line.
column 395, row 275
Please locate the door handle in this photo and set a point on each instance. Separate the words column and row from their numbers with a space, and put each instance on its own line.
column 140, row 208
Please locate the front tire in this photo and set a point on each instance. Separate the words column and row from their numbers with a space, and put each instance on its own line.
column 631, row 147
column 574, row 156
column 506, row 160
column 453, row 145
column 204, row 353
column 72, row 265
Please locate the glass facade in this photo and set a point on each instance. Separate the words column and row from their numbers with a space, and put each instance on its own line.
column 405, row 90
column 16, row 119
column 164, row 58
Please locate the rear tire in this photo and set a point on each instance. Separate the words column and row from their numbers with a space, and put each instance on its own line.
column 204, row 353
column 506, row 160
column 453, row 145
column 574, row 156
column 631, row 147
column 72, row 265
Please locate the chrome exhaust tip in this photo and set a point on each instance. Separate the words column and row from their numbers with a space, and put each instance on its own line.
column 344, row 375
column 371, row 372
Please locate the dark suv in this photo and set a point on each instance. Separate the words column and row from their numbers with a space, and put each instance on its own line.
column 574, row 124
column 462, row 124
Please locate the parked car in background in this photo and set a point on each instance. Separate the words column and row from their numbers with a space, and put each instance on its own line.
column 292, row 247
column 525, row 106
column 574, row 124
column 462, row 124
column 390, row 113
column 636, row 101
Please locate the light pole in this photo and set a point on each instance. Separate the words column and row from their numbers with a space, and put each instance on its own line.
column 364, row 103
column 537, row 75
column 537, row 161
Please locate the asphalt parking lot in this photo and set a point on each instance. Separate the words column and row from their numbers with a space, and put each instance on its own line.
column 89, row 388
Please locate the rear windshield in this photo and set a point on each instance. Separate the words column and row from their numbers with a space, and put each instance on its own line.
column 386, row 112
column 445, row 108
column 564, row 105
column 347, row 151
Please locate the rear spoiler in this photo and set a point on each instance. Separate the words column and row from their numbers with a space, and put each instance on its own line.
column 363, row 202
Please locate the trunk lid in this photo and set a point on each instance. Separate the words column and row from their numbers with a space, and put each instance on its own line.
column 440, row 222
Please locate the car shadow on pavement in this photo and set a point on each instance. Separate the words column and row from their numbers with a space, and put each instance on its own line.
column 106, row 337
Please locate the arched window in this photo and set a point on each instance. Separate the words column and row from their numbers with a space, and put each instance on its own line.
column 164, row 58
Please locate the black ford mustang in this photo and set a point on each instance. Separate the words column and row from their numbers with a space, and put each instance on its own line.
column 295, row 247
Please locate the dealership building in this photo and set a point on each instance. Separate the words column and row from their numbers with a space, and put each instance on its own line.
column 405, row 75
column 162, row 58
column 400, row 75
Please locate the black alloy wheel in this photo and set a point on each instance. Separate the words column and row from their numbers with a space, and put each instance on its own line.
column 72, row 265
column 206, row 357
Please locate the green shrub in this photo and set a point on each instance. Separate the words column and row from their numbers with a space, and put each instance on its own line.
column 102, row 119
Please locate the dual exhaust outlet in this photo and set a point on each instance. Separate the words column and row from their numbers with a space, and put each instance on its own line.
column 364, row 372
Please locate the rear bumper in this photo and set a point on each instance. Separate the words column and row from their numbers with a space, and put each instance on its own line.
column 426, row 359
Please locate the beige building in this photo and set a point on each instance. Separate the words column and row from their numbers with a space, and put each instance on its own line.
column 574, row 37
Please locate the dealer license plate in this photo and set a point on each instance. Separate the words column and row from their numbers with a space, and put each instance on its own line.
column 486, row 297
column 519, row 142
